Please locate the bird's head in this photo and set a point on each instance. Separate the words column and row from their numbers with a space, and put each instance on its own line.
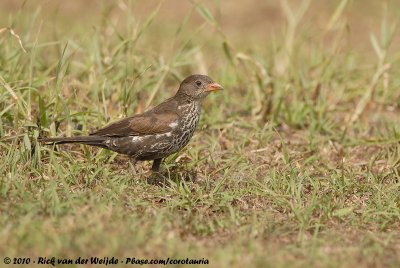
column 198, row 86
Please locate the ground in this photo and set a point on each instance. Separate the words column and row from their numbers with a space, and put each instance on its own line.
column 295, row 164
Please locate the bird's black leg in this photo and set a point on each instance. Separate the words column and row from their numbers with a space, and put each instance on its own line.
column 156, row 165
column 156, row 178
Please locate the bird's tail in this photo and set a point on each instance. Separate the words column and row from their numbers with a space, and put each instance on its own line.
column 89, row 140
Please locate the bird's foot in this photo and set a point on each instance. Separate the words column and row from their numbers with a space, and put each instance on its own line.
column 157, row 178
column 175, row 174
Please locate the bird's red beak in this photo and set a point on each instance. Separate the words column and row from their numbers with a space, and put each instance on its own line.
column 214, row 87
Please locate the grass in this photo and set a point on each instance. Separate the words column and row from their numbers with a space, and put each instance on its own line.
column 297, row 161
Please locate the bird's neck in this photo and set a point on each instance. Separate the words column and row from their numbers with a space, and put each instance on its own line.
column 189, row 105
column 184, row 99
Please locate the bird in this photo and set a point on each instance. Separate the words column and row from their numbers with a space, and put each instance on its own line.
column 157, row 132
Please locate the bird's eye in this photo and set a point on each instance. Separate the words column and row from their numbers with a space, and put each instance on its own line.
column 198, row 83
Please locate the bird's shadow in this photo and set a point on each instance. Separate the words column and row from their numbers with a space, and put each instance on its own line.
column 174, row 174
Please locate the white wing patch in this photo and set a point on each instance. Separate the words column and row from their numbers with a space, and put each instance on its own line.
column 173, row 124
column 168, row 134
column 136, row 138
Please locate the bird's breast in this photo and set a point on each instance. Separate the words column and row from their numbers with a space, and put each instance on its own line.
column 189, row 117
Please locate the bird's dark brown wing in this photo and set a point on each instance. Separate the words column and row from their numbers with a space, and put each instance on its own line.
column 158, row 120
